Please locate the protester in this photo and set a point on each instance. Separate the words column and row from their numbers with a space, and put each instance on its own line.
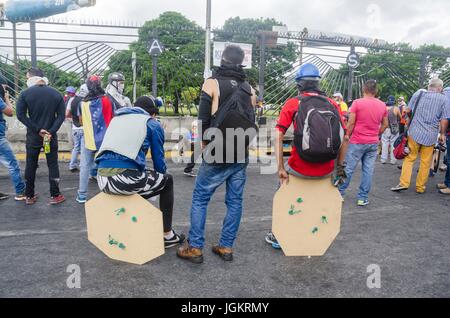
column 97, row 112
column 115, row 91
column 391, row 134
column 7, row 157
column 72, row 112
column 229, row 80
column 404, row 114
column 192, row 138
column 444, row 188
column 339, row 99
column 122, row 161
column 42, row 110
column 308, row 82
column 368, row 120
column 429, row 111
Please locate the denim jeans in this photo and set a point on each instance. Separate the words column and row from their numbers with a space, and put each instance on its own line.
column 77, row 138
column 8, row 160
column 367, row 154
column 211, row 177
column 447, row 175
column 87, row 169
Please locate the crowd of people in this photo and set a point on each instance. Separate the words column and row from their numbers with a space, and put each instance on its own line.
column 112, row 138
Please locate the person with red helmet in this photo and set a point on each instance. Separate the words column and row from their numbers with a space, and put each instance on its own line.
column 96, row 113
column 310, row 157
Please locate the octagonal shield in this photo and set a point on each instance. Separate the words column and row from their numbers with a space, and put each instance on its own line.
column 307, row 216
column 125, row 228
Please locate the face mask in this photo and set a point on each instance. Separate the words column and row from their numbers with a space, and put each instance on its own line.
column 121, row 88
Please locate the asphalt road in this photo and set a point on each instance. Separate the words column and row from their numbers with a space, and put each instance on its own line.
column 406, row 235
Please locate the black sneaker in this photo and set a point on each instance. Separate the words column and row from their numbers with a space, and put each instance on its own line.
column 191, row 174
column 174, row 241
column 3, row 196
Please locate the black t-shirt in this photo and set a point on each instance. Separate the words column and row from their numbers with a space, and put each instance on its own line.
column 41, row 107
column 75, row 104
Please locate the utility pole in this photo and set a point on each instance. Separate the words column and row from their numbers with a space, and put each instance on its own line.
column 33, row 44
column 423, row 70
column 207, row 72
column 16, row 66
column 262, row 64
column 133, row 65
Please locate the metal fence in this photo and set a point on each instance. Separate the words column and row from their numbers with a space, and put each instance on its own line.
column 69, row 51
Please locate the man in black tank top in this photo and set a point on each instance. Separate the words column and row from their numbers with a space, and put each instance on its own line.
column 211, row 176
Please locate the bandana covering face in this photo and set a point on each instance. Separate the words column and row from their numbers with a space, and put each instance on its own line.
column 36, row 80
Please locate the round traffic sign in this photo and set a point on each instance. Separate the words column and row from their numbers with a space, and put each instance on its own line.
column 353, row 60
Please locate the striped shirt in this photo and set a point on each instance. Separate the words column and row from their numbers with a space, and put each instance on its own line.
column 447, row 94
column 432, row 108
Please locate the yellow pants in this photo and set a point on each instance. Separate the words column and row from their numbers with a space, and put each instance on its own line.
column 426, row 157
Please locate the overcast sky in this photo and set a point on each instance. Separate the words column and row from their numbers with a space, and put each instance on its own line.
column 417, row 22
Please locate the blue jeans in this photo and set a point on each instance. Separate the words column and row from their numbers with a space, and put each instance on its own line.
column 447, row 175
column 87, row 169
column 367, row 154
column 8, row 159
column 77, row 138
column 211, row 177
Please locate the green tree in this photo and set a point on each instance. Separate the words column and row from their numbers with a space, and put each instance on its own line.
column 181, row 65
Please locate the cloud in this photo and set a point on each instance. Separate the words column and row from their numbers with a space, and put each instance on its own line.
column 399, row 20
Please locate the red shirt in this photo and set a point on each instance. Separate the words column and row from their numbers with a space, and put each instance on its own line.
column 287, row 118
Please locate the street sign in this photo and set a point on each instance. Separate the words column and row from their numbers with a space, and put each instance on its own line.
column 155, row 47
column 219, row 47
column 353, row 60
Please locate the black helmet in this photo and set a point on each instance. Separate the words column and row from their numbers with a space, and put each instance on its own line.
column 116, row 77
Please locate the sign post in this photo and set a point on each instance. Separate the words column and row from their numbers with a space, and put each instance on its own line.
column 353, row 62
column 155, row 49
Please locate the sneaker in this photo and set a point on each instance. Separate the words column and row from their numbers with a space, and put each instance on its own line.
column 174, row 241
column 363, row 202
column 3, row 196
column 272, row 240
column 190, row 174
column 31, row 200
column 223, row 252
column 441, row 186
column 399, row 188
column 188, row 253
column 57, row 200
column 81, row 199
column 383, row 162
column 93, row 178
column 443, row 168
column 20, row 197
column 445, row 191
column 74, row 170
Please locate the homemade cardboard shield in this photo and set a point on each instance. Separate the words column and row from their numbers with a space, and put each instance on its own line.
column 307, row 216
column 125, row 228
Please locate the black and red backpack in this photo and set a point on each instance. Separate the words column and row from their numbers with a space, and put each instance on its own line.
column 319, row 132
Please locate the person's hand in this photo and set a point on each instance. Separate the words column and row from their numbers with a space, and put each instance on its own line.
column 283, row 175
column 442, row 139
column 7, row 96
column 347, row 138
column 43, row 133
column 341, row 176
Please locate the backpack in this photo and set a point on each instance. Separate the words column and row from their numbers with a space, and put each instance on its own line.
column 319, row 134
column 236, row 112
column 394, row 125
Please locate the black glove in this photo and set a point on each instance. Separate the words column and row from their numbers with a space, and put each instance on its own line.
column 341, row 176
